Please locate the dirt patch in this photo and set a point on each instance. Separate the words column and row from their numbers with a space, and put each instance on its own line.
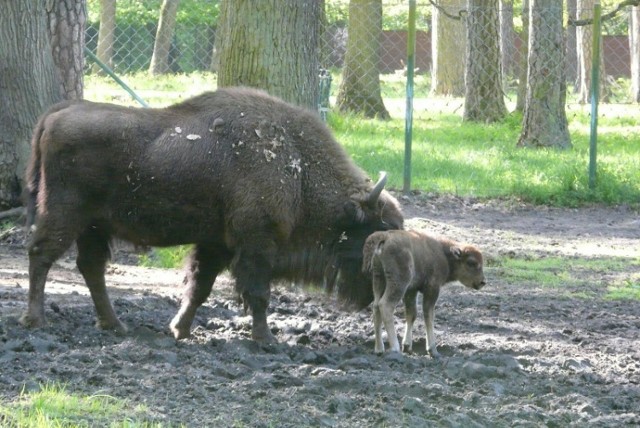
column 512, row 355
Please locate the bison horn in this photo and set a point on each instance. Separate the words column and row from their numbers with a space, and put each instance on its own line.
column 377, row 189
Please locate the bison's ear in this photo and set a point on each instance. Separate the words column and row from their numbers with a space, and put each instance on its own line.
column 372, row 198
column 456, row 252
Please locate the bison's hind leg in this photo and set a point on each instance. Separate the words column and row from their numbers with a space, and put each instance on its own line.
column 53, row 235
column 410, row 314
column 93, row 254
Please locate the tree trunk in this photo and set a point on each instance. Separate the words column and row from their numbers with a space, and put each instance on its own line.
column 572, row 47
column 106, row 34
column 360, row 87
column 545, row 120
column 164, row 35
column 447, row 42
column 270, row 44
column 67, row 19
column 507, row 41
column 484, row 99
column 524, row 58
column 634, row 49
column 584, row 36
column 28, row 82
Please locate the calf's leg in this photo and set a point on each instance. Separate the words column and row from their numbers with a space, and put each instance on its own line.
column 410, row 313
column 430, row 298
column 205, row 263
column 378, row 290
column 93, row 254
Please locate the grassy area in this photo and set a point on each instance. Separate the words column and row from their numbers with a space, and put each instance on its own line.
column 53, row 406
column 579, row 277
column 449, row 156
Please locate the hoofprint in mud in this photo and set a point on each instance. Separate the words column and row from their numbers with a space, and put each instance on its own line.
column 513, row 355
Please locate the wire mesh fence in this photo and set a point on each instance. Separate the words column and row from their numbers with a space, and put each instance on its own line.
column 458, row 46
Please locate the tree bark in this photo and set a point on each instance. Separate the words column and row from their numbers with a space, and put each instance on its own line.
column 360, row 87
column 584, row 36
column 545, row 120
column 447, row 42
column 524, row 58
column 164, row 35
column 272, row 45
column 634, row 49
column 572, row 47
column 507, row 41
column 67, row 19
column 28, row 85
column 484, row 98
column 106, row 34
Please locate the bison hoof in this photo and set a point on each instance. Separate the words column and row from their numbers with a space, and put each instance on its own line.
column 30, row 321
column 115, row 326
column 263, row 336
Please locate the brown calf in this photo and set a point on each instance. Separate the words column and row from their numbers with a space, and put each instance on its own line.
column 405, row 262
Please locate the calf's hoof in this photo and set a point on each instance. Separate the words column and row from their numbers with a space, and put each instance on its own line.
column 434, row 353
column 31, row 321
column 179, row 331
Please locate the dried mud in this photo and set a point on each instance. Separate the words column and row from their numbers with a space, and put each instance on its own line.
column 512, row 355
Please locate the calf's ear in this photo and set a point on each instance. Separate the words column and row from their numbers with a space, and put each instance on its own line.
column 456, row 252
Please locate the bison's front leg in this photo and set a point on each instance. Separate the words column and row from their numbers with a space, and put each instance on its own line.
column 93, row 253
column 205, row 263
column 253, row 276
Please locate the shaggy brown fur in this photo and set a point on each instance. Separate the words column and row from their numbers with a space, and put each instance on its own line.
column 404, row 263
column 257, row 185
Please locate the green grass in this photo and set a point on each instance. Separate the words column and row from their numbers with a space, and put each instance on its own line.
column 448, row 155
column 53, row 406
column 482, row 160
column 580, row 277
column 170, row 257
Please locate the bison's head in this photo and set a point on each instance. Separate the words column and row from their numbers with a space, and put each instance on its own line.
column 365, row 213
column 468, row 267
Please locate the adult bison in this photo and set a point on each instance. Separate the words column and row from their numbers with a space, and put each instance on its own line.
column 257, row 185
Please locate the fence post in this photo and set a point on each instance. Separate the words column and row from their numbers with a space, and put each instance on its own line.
column 408, row 127
column 110, row 72
column 595, row 91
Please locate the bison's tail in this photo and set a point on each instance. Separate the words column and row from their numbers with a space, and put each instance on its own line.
column 32, row 174
column 372, row 246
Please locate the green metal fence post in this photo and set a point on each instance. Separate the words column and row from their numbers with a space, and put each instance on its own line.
column 110, row 72
column 595, row 91
column 408, row 127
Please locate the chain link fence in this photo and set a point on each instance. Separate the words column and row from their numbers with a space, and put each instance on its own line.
column 444, row 35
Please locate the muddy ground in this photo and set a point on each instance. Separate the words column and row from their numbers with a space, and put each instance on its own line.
column 512, row 354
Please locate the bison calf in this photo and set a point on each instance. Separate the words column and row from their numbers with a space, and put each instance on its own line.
column 405, row 262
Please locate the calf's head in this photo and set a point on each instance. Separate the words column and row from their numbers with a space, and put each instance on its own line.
column 468, row 266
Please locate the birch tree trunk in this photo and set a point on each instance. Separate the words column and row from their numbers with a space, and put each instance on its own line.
column 634, row 49
column 545, row 120
column 360, row 87
column 448, row 41
column 484, row 98
column 164, row 34
column 272, row 45
column 106, row 34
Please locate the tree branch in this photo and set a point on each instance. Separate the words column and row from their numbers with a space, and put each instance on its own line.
column 14, row 212
column 457, row 17
column 605, row 17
